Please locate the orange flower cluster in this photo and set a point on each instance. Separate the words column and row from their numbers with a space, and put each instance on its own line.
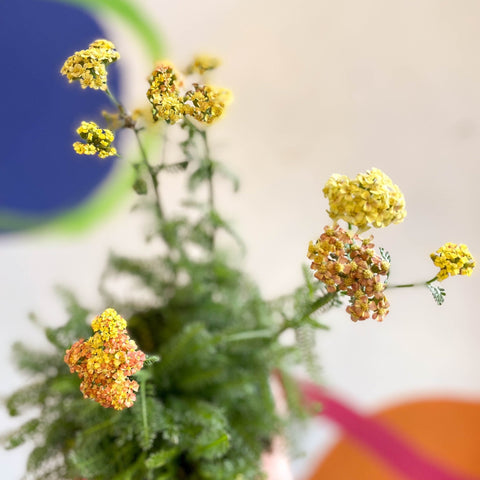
column 105, row 361
column 348, row 264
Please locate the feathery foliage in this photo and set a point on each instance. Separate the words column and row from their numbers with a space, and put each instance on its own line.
column 204, row 409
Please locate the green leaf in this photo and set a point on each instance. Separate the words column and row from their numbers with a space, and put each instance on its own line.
column 161, row 458
column 200, row 175
column 174, row 167
column 140, row 186
column 438, row 293
column 226, row 173
column 150, row 360
column 24, row 433
column 385, row 255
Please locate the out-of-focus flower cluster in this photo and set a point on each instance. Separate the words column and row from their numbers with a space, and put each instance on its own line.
column 370, row 199
column 97, row 140
column 203, row 63
column 89, row 66
column 348, row 264
column 205, row 103
column 105, row 361
column 453, row 259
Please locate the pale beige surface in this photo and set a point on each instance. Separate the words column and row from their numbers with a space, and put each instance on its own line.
column 321, row 87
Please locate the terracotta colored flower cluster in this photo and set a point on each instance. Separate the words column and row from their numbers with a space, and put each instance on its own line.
column 370, row 199
column 105, row 361
column 97, row 140
column 453, row 259
column 89, row 66
column 205, row 103
column 348, row 264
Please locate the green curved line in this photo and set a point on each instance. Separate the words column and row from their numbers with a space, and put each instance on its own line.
column 120, row 180
column 138, row 21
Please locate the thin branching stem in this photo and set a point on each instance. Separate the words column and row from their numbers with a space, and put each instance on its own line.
column 209, row 165
column 210, row 172
column 316, row 305
column 129, row 123
column 152, row 173
column 143, row 392
column 122, row 110
column 407, row 285
column 250, row 335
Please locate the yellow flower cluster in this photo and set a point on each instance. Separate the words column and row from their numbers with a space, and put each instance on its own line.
column 203, row 63
column 369, row 200
column 98, row 140
column 105, row 361
column 89, row 66
column 453, row 259
column 164, row 94
column 204, row 103
column 207, row 103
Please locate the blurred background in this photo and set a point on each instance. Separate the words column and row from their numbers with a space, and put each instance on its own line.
column 320, row 87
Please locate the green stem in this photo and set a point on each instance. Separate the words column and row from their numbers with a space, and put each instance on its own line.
column 152, row 173
column 407, row 285
column 121, row 108
column 210, row 172
column 317, row 304
column 250, row 335
column 129, row 123
column 143, row 393
column 99, row 426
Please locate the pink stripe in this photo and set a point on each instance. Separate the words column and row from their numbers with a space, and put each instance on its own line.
column 380, row 439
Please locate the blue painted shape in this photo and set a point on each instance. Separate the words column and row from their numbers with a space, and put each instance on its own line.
column 40, row 174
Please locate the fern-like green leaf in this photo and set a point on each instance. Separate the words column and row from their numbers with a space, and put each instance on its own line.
column 161, row 457
column 438, row 293
column 22, row 434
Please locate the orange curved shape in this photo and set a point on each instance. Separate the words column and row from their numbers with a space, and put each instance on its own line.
column 446, row 431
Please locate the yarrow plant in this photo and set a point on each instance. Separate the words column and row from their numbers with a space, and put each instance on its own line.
column 347, row 263
column 193, row 401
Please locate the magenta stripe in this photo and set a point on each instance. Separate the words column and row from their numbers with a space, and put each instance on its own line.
column 380, row 439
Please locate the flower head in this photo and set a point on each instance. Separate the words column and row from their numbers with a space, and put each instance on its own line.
column 105, row 361
column 453, row 259
column 203, row 63
column 164, row 94
column 348, row 264
column 369, row 200
column 89, row 66
column 207, row 103
column 97, row 140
